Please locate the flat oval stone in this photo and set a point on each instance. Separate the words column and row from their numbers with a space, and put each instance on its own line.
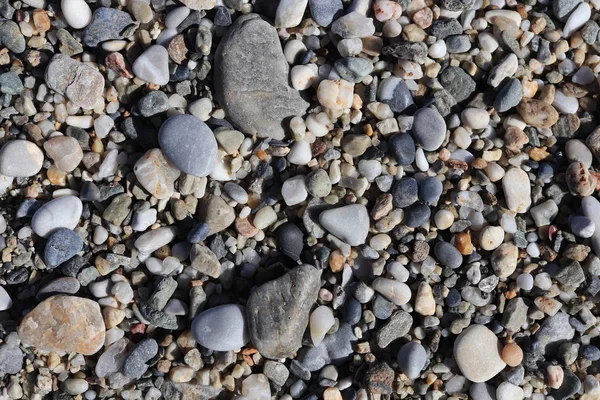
column 189, row 143
column 251, row 79
column 349, row 223
column 221, row 328
column 62, row 212
column 64, row 323
column 477, row 352
column 429, row 128
column 20, row 159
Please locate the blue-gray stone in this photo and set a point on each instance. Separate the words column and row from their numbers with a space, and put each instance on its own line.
column 458, row 44
column 198, row 233
column 448, row 255
column 10, row 83
column 61, row 246
column 290, row 240
column 416, row 215
column 430, row 190
column 509, row 96
column 412, row 357
column 324, row 12
column 107, row 24
column 402, row 146
column 429, row 128
column 405, row 192
column 555, row 330
column 189, row 144
column 11, row 37
column 334, row 349
column 155, row 102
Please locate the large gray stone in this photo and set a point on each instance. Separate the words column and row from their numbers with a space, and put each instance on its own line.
column 277, row 312
column 251, row 79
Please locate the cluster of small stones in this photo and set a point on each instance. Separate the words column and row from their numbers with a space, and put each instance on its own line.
column 299, row 199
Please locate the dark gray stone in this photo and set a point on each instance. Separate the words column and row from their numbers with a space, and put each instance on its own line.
column 277, row 331
column 509, row 96
column 442, row 28
column 136, row 362
column 429, row 128
column 570, row 274
column 405, row 192
column 61, row 246
column 394, row 92
column 290, row 240
column 515, row 314
column 64, row 285
column 153, row 103
column 562, row 8
column 412, row 51
column 251, row 79
column 416, row 215
column 448, row 255
column 403, row 148
column 456, row 81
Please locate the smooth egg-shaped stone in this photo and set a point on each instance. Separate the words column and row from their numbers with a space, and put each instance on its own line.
column 20, row 159
column 77, row 13
column 62, row 212
column 222, row 328
column 189, row 144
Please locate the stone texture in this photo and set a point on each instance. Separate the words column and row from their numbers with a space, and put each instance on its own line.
column 477, row 352
column 278, row 311
column 156, row 174
column 251, row 79
column 82, row 84
column 64, row 323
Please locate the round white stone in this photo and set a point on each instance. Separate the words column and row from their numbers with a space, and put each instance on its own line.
column 477, row 352
column 77, row 13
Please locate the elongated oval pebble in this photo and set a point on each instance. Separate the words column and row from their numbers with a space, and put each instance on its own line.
column 396, row 292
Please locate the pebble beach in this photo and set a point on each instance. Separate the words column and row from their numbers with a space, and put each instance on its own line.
column 299, row 199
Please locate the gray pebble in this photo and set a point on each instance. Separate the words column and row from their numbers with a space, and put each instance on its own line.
column 509, row 96
column 412, row 358
column 429, row 129
column 448, row 255
column 61, row 246
column 136, row 362
column 353, row 69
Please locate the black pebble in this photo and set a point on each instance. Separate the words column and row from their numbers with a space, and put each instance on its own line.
column 290, row 240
